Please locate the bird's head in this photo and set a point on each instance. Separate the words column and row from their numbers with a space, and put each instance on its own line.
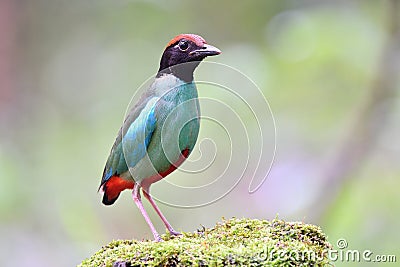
column 183, row 54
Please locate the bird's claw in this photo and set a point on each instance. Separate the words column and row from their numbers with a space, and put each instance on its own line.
column 174, row 233
column 157, row 238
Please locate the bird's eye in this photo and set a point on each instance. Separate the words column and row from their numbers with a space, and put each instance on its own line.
column 183, row 45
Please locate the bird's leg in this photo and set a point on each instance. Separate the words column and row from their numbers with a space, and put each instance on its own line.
column 147, row 195
column 139, row 204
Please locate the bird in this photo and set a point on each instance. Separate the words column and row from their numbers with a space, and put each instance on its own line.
column 160, row 130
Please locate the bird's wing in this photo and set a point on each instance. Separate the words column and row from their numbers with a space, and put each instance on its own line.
column 132, row 140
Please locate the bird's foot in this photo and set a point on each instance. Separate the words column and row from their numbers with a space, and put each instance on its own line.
column 157, row 238
column 174, row 233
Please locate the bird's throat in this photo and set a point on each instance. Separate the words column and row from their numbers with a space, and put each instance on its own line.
column 182, row 71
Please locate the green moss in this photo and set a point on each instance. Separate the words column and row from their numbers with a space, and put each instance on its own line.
column 234, row 242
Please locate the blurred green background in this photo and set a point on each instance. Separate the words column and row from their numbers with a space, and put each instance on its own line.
column 68, row 69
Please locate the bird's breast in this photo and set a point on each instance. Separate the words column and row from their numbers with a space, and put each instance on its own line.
column 178, row 115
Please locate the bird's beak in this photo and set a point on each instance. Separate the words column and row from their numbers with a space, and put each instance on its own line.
column 206, row 50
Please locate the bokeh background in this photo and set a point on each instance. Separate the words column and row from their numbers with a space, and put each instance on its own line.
column 68, row 70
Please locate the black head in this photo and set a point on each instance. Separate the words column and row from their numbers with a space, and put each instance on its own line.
column 183, row 54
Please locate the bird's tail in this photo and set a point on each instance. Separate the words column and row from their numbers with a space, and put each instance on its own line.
column 113, row 187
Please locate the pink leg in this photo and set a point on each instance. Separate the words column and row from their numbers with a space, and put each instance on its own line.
column 147, row 195
column 139, row 204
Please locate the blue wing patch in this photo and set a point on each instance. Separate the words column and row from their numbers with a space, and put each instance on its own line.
column 138, row 136
column 131, row 146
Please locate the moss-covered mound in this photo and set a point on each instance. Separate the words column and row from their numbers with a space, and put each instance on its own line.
column 234, row 242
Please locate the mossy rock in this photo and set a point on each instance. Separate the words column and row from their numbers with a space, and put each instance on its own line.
column 234, row 242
